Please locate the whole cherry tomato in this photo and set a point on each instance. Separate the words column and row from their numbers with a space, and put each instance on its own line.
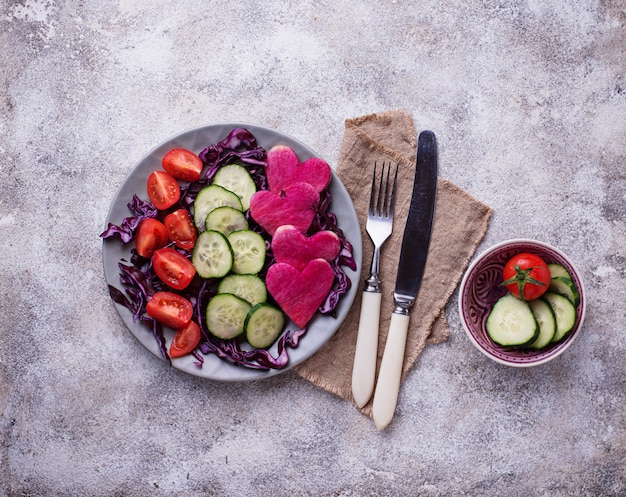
column 526, row 276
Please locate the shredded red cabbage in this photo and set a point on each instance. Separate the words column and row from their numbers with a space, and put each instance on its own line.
column 140, row 280
column 140, row 210
column 239, row 145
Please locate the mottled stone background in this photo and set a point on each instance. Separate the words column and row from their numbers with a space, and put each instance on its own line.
column 528, row 100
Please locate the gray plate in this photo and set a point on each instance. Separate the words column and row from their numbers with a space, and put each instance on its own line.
column 321, row 328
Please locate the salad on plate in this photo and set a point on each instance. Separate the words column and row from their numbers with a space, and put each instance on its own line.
column 235, row 250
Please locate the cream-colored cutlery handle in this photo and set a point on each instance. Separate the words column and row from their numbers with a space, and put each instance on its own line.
column 364, row 368
column 388, row 385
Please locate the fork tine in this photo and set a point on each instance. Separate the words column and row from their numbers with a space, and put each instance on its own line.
column 393, row 193
column 380, row 204
column 373, row 193
column 385, row 209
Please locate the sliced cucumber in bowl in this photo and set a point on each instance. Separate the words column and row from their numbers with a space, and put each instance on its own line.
column 565, row 287
column 564, row 312
column 511, row 323
column 546, row 320
column 535, row 324
column 559, row 271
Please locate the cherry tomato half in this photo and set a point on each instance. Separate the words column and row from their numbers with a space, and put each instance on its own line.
column 173, row 268
column 163, row 189
column 526, row 276
column 150, row 236
column 170, row 309
column 180, row 229
column 185, row 340
column 183, row 164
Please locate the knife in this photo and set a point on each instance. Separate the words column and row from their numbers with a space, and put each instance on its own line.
column 413, row 255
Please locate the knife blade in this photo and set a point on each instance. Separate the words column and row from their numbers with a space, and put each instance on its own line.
column 413, row 256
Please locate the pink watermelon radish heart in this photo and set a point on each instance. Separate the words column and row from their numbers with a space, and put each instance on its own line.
column 289, row 245
column 300, row 293
column 295, row 205
column 283, row 169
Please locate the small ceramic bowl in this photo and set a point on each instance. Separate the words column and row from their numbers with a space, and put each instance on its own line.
column 480, row 289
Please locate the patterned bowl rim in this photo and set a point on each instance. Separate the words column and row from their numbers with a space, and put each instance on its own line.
column 542, row 358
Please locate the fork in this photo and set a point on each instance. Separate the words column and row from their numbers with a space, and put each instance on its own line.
column 379, row 226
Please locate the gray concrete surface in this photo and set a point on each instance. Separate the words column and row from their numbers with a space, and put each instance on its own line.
column 528, row 100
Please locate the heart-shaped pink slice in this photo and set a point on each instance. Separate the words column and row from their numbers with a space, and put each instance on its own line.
column 300, row 293
column 295, row 206
column 283, row 169
column 291, row 246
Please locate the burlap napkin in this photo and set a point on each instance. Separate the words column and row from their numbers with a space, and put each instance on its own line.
column 460, row 224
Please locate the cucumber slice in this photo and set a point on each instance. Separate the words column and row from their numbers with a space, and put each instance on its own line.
column 263, row 324
column 212, row 255
column 545, row 319
column 226, row 219
column 564, row 312
column 565, row 287
column 511, row 323
column 558, row 270
column 209, row 198
column 226, row 315
column 246, row 286
column 237, row 179
column 249, row 250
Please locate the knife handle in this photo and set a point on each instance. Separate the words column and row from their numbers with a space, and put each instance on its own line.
column 388, row 385
column 364, row 368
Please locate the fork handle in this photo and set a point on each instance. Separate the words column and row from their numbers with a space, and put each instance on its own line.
column 388, row 385
column 364, row 368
